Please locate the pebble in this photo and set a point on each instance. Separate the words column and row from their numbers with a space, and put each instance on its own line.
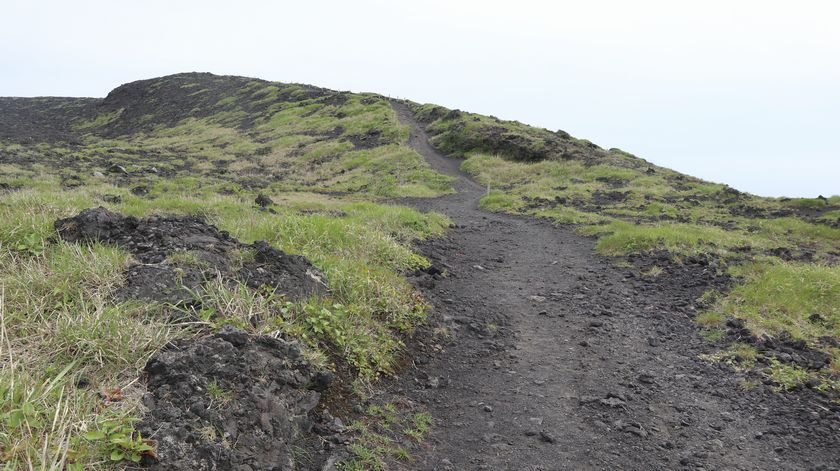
column 635, row 431
column 645, row 378
column 612, row 402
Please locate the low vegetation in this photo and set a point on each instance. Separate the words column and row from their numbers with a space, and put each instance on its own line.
column 388, row 433
column 796, row 302
column 61, row 326
column 264, row 135
column 71, row 352
column 800, row 299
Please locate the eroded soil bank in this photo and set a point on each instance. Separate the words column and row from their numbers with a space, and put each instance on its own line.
column 557, row 359
column 201, row 252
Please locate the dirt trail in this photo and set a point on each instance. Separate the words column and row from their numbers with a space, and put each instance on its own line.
column 559, row 360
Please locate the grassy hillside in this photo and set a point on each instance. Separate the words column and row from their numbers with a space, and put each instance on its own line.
column 784, row 251
column 209, row 130
column 307, row 171
column 204, row 146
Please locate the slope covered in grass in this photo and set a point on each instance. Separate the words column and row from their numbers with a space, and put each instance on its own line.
column 552, row 174
column 62, row 325
column 247, row 133
column 783, row 251
column 73, row 348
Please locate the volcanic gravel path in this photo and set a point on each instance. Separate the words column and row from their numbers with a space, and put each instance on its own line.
column 557, row 359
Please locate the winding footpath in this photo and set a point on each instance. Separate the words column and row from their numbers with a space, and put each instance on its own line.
column 554, row 358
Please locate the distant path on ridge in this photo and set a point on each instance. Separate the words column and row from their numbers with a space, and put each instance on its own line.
column 559, row 360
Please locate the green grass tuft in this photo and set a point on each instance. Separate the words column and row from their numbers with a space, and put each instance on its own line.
column 800, row 299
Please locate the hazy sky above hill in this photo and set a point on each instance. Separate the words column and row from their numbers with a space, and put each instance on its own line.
column 740, row 92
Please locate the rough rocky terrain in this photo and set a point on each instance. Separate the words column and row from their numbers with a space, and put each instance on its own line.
column 558, row 359
column 230, row 401
column 153, row 239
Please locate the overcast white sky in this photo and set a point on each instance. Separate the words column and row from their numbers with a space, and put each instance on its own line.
column 739, row 91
